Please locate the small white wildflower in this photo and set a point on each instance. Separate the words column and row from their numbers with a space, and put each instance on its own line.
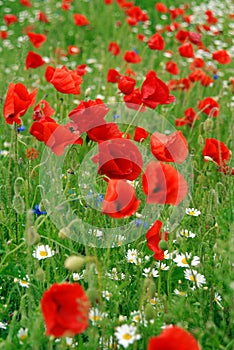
column 192, row 212
column 126, row 335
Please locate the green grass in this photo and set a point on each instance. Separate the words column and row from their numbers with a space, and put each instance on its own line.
column 21, row 188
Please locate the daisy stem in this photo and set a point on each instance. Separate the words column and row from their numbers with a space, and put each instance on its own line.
column 133, row 119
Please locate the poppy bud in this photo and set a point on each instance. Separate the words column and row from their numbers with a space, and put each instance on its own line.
column 150, row 313
column 64, row 233
column 208, row 125
column 40, row 275
column 149, row 288
column 74, row 263
column 31, row 235
column 93, row 295
column 200, row 140
column 163, row 244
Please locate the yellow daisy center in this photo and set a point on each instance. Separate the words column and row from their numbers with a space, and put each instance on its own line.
column 23, row 282
column 23, row 337
column 192, row 278
column 184, row 261
column 96, row 318
column 127, row 336
column 43, row 253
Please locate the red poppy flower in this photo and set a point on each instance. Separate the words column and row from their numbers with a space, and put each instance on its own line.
column 209, row 106
column 89, row 114
column 189, row 117
column 171, row 67
column 132, row 57
column 155, row 91
column 73, row 50
column 126, row 85
column 176, row 12
column 186, row 50
column 65, row 308
column 36, row 39
column 104, row 132
column 112, row 76
column 17, row 102
column 34, row 60
column 195, row 38
column 119, row 159
column 179, row 84
column 134, row 100
column 217, row 151
column 211, row 19
column 172, row 148
column 136, row 14
column 64, row 80
column 114, row 48
column 81, row 69
column 173, row 338
column 154, row 236
column 3, row 34
column 42, row 17
column 80, row 20
column 31, row 153
column 182, row 35
column 43, row 110
column 120, row 200
column 156, row 42
column 197, row 63
column 26, row 3
column 163, row 184
column 140, row 134
column 9, row 19
column 221, row 56
column 160, row 7
column 55, row 136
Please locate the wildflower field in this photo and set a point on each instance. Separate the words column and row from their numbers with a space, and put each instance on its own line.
column 116, row 187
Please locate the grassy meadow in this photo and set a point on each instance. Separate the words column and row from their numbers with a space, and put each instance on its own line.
column 51, row 205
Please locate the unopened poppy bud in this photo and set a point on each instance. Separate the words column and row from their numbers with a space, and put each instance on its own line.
column 149, row 288
column 208, row 125
column 150, row 313
column 93, row 295
column 163, row 244
column 74, row 263
column 40, row 275
column 200, row 140
column 64, row 233
column 31, row 235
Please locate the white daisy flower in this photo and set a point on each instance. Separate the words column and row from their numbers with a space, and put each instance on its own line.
column 182, row 260
column 195, row 277
column 106, row 294
column 95, row 315
column 115, row 275
column 132, row 257
column 24, row 282
column 148, row 272
column 192, row 212
column 162, row 266
column 22, row 334
column 78, row 276
column 186, row 234
column 167, row 255
column 180, row 293
column 43, row 252
column 126, row 335
column 218, row 299
column 3, row 325
column 136, row 316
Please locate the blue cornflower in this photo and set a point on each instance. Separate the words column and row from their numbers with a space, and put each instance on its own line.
column 21, row 128
column 37, row 211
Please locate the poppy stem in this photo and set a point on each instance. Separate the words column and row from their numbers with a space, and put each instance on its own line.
column 133, row 119
column 16, row 175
